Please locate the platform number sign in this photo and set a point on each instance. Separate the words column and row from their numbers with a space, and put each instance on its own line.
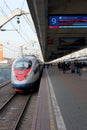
column 53, row 22
column 67, row 21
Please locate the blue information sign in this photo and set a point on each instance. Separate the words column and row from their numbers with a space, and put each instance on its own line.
column 67, row 21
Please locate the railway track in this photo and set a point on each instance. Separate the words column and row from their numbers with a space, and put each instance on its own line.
column 4, row 83
column 12, row 111
column 5, row 93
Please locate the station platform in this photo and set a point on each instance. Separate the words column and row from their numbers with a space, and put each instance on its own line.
column 62, row 101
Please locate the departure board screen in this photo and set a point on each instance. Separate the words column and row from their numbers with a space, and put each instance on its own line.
column 67, row 21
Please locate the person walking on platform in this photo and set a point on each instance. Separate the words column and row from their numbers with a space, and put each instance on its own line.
column 78, row 66
column 59, row 65
column 72, row 67
column 64, row 67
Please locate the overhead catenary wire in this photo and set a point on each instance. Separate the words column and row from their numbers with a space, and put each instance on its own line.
column 27, row 20
column 11, row 22
column 22, row 4
column 29, row 23
column 10, row 48
column 22, row 31
column 1, row 10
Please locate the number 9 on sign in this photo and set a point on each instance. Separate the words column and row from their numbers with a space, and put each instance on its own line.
column 54, row 21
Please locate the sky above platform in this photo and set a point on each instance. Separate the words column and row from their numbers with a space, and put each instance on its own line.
column 17, row 34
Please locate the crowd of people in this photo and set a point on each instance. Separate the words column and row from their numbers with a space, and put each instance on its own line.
column 73, row 67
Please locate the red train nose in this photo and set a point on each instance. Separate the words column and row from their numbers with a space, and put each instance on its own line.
column 21, row 74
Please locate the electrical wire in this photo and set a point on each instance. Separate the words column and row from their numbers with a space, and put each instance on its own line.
column 11, row 22
column 9, row 48
column 22, row 4
column 24, row 30
column 29, row 23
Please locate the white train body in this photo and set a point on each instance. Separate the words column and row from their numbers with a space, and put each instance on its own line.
column 26, row 72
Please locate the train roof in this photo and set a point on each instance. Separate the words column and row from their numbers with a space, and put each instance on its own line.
column 28, row 57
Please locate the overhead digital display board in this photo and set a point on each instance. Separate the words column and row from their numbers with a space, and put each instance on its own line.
column 67, row 21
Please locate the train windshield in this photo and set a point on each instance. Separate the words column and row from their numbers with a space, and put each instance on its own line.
column 20, row 65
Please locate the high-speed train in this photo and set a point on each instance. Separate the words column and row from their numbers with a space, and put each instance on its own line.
column 25, row 73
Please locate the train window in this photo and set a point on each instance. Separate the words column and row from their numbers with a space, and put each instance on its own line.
column 29, row 64
column 22, row 65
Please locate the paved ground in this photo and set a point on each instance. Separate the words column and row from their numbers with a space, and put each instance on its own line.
column 71, row 94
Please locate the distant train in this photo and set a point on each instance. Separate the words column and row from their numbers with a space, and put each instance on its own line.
column 25, row 74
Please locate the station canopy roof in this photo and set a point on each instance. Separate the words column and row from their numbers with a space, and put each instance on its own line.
column 61, row 26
